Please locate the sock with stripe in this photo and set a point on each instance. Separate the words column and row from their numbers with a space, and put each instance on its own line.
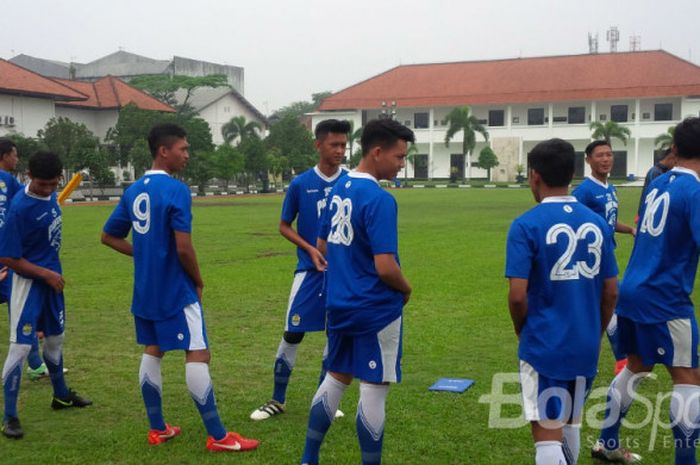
column 370, row 421
column 549, row 453
column 202, row 392
column 12, row 375
column 284, row 364
column 619, row 400
column 323, row 407
column 34, row 359
column 53, row 357
column 572, row 443
column 685, row 415
column 152, row 390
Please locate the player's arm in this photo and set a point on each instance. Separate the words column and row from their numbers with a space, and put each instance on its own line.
column 289, row 233
column 608, row 300
column 390, row 273
column 517, row 303
column 188, row 259
column 27, row 268
column 119, row 244
column 322, row 246
column 625, row 229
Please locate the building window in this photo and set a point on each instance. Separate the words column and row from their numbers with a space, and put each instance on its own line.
column 420, row 120
column 663, row 112
column 496, row 118
column 421, row 166
column 618, row 113
column 577, row 115
column 535, row 116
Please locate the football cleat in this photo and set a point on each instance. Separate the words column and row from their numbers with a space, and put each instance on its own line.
column 620, row 365
column 269, row 409
column 619, row 455
column 12, row 429
column 71, row 400
column 232, row 442
column 39, row 372
column 339, row 414
column 156, row 437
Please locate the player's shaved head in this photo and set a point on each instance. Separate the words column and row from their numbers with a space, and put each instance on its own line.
column 164, row 135
column 45, row 165
column 553, row 160
column 384, row 133
column 334, row 126
column 686, row 138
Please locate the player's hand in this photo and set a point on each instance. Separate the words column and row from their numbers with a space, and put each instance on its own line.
column 3, row 273
column 54, row 280
column 633, row 232
column 200, row 289
column 318, row 259
column 407, row 296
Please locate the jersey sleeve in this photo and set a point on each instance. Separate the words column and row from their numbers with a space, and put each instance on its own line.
column 180, row 215
column 694, row 217
column 381, row 221
column 290, row 206
column 119, row 222
column 15, row 186
column 324, row 221
column 581, row 194
column 10, row 236
column 608, row 263
column 519, row 252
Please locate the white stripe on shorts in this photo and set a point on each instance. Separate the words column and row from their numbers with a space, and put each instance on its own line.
column 388, row 339
column 682, row 338
column 18, row 298
column 296, row 285
column 195, row 325
column 529, row 386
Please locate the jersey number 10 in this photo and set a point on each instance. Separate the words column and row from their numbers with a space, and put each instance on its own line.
column 564, row 269
column 653, row 203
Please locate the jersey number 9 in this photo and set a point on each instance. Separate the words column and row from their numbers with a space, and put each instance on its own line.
column 142, row 212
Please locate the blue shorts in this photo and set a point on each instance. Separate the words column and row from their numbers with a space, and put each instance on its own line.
column 374, row 357
column 183, row 331
column 34, row 306
column 673, row 343
column 6, row 287
column 306, row 310
column 551, row 399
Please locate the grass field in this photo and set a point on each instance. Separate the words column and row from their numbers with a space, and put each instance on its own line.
column 457, row 325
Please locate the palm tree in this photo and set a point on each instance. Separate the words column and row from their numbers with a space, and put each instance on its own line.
column 410, row 158
column 665, row 140
column 353, row 136
column 239, row 129
column 609, row 130
column 462, row 119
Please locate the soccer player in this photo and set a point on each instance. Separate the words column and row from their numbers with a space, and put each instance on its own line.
column 30, row 242
column 656, row 316
column 306, row 311
column 366, row 291
column 563, row 285
column 168, row 286
column 599, row 195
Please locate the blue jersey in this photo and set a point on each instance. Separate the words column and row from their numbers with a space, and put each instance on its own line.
column 33, row 230
column 305, row 200
column 565, row 252
column 359, row 223
column 599, row 197
column 660, row 275
column 155, row 207
column 9, row 186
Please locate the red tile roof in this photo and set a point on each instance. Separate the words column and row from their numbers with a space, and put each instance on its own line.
column 18, row 80
column 520, row 80
column 112, row 93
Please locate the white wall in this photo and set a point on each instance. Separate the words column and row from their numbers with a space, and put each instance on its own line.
column 221, row 112
column 30, row 114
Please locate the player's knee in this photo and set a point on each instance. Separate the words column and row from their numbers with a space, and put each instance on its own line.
column 293, row 338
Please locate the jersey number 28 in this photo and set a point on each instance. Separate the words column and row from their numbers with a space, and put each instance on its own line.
column 341, row 228
column 564, row 269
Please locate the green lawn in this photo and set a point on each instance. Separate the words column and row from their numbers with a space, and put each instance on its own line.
column 457, row 325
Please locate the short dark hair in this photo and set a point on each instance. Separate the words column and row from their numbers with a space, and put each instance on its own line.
column 667, row 153
column 164, row 135
column 6, row 146
column 45, row 165
column 686, row 137
column 385, row 133
column 553, row 160
column 596, row 143
column 328, row 126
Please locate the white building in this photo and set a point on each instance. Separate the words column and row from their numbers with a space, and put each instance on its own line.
column 526, row 100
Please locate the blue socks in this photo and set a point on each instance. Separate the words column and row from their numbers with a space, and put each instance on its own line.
column 323, row 407
column 12, row 375
column 284, row 364
column 370, row 421
column 152, row 390
column 619, row 401
column 685, row 414
column 202, row 392
column 34, row 359
column 53, row 357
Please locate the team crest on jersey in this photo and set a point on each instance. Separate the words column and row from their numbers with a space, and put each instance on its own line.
column 27, row 329
column 372, row 364
column 347, row 184
column 3, row 186
column 296, row 319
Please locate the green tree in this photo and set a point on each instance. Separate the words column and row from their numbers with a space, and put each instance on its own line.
column 487, row 160
column 256, row 161
column 608, row 131
column 26, row 147
column 665, row 140
column 140, row 157
column 199, row 169
column 228, row 163
column 73, row 142
column 461, row 119
column 98, row 165
column 354, row 136
column 298, row 109
column 293, row 141
column 238, row 129
column 410, row 159
column 164, row 87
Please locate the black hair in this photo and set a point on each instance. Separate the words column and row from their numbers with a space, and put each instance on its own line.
column 164, row 135
column 686, row 138
column 6, row 146
column 553, row 160
column 667, row 153
column 384, row 133
column 328, row 126
column 45, row 165
column 596, row 143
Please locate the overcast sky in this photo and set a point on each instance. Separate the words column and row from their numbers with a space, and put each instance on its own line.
column 293, row 48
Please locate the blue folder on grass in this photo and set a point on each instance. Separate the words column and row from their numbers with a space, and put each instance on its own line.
column 451, row 385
